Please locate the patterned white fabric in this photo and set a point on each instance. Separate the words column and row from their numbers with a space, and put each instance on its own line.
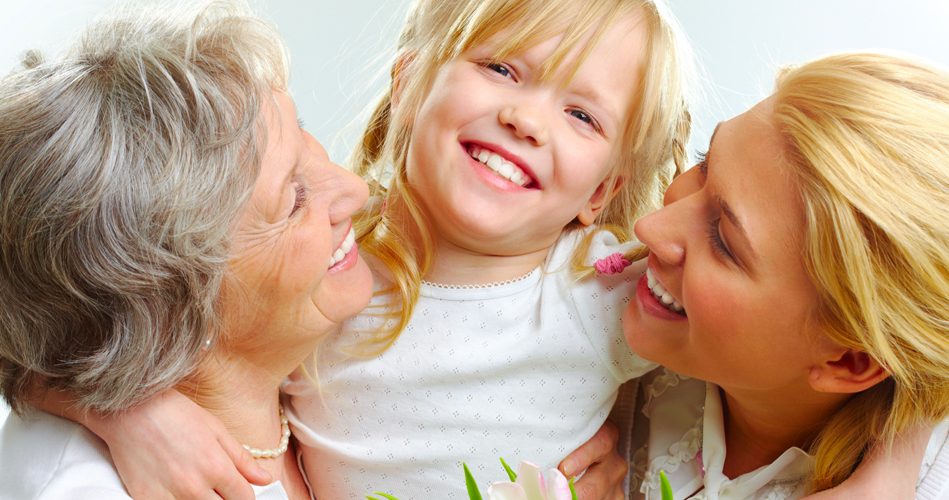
column 526, row 370
column 45, row 457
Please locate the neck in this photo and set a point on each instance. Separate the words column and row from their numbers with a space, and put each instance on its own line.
column 242, row 391
column 458, row 266
column 472, row 263
column 761, row 426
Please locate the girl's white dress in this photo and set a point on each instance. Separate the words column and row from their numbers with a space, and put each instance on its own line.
column 523, row 370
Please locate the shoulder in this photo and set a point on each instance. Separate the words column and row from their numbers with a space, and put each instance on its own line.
column 45, row 457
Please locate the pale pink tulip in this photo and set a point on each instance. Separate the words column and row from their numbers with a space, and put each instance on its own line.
column 530, row 485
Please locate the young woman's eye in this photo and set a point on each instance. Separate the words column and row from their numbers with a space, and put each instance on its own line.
column 702, row 156
column 299, row 199
column 715, row 239
column 584, row 117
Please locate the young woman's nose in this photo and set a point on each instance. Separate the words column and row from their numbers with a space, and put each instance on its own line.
column 665, row 232
column 526, row 122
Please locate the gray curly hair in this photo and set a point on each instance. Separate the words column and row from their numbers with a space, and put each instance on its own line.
column 124, row 165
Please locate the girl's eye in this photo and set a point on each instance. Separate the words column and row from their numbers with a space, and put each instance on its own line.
column 499, row 68
column 715, row 238
column 299, row 199
column 584, row 117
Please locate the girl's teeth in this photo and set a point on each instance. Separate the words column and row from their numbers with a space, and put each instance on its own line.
column 660, row 293
column 494, row 162
column 344, row 248
column 501, row 166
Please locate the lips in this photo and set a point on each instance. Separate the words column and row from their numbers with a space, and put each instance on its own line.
column 500, row 165
column 344, row 248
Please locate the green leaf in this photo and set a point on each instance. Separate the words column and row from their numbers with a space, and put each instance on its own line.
column 473, row 493
column 507, row 469
column 664, row 486
column 573, row 491
column 386, row 495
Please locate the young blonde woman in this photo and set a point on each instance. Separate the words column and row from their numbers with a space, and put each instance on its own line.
column 809, row 251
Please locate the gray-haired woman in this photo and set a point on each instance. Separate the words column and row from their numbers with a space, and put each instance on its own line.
column 164, row 222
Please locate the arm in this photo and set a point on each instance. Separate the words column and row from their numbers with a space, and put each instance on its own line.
column 605, row 468
column 153, row 446
column 885, row 475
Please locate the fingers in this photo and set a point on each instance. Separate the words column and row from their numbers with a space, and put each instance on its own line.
column 603, row 480
column 600, row 446
column 605, row 468
column 244, row 462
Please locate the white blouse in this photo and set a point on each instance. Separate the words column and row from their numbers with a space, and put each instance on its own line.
column 683, row 435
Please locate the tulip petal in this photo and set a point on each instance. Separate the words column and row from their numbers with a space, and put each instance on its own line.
column 558, row 488
column 506, row 491
column 530, row 477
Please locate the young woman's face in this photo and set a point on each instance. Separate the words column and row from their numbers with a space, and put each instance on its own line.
column 727, row 248
column 502, row 160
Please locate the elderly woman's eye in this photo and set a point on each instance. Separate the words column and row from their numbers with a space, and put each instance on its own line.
column 299, row 199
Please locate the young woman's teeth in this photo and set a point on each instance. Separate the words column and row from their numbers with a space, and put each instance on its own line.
column 501, row 166
column 344, row 248
column 661, row 294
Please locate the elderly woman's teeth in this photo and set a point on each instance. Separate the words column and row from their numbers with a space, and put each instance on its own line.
column 344, row 248
column 499, row 165
column 660, row 293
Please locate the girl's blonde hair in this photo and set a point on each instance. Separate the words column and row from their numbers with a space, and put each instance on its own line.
column 868, row 136
column 652, row 145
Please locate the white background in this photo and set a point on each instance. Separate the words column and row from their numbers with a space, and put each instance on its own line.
column 340, row 48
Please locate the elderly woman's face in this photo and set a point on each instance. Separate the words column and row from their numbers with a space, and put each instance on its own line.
column 727, row 248
column 298, row 217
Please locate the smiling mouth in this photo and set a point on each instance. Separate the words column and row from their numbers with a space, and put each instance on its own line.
column 662, row 295
column 499, row 165
column 344, row 248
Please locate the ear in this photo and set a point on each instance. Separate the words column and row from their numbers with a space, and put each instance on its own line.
column 400, row 74
column 849, row 372
column 603, row 194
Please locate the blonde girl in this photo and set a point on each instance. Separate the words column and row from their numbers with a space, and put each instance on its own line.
column 511, row 127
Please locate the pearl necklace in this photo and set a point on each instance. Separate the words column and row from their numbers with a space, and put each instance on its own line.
column 284, row 440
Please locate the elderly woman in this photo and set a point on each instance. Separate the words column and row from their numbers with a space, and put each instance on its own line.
column 809, row 250
column 164, row 222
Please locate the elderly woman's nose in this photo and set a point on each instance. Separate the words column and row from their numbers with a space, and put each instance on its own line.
column 351, row 194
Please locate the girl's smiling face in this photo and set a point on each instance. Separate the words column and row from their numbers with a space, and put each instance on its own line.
column 727, row 247
column 502, row 160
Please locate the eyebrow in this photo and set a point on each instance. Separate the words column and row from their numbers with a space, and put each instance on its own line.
column 726, row 208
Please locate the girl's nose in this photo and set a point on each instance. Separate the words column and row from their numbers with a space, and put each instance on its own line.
column 525, row 122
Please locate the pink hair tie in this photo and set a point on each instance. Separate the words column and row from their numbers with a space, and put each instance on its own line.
column 611, row 265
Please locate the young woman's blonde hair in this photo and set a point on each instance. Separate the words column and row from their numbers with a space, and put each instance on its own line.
column 868, row 136
column 124, row 165
column 652, row 146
